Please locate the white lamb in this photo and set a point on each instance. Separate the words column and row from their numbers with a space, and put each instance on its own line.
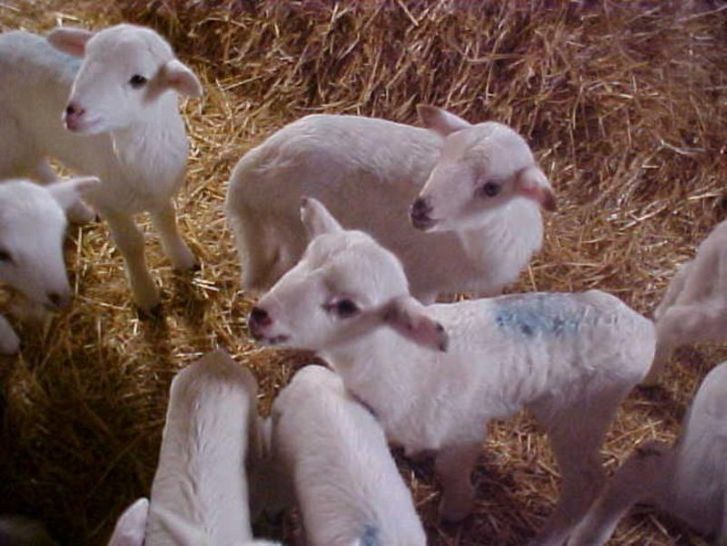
column 331, row 455
column 116, row 92
column 694, row 307
column 32, row 227
column 200, row 493
column 481, row 192
column 687, row 480
column 568, row 358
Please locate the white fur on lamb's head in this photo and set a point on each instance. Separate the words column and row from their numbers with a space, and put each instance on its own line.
column 482, row 167
column 125, row 69
column 32, row 227
column 344, row 286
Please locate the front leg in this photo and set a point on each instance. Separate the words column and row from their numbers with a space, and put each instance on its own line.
column 165, row 222
column 130, row 242
column 9, row 341
column 454, row 465
column 680, row 324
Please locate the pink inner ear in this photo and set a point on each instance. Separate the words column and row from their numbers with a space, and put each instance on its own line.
column 69, row 40
column 541, row 195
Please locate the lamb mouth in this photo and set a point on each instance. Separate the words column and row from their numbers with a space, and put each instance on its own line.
column 275, row 340
column 423, row 223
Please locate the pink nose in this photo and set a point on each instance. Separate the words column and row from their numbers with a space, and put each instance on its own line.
column 73, row 116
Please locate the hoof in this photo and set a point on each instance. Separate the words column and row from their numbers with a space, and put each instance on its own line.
column 187, row 269
column 80, row 214
column 155, row 313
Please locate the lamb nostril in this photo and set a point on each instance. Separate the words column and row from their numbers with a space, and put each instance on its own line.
column 421, row 207
column 259, row 317
column 73, row 110
column 57, row 299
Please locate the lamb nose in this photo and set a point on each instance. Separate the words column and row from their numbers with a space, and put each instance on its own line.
column 420, row 207
column 259, row 317
column 74, row 110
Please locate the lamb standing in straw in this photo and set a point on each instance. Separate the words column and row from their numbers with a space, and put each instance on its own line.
column 568, row 358
column 481, row 195
column 116, row 92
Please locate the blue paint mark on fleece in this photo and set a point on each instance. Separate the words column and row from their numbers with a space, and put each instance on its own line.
column 545, row 314
column 370, row 536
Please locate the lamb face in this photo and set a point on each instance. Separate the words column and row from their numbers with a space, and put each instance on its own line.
column 481, row 168
column 32, row 227
column 124, row 71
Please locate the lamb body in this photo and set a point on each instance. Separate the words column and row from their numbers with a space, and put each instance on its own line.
column 200, row 493
column 568, row 358
column 132, row 138
column 369, row 171
column 334, row 454
column 687, row 480
column 694, row 307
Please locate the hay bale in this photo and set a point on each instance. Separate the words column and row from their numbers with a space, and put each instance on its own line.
column 624, row 103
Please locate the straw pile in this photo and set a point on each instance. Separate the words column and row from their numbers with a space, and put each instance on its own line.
column 624, row 104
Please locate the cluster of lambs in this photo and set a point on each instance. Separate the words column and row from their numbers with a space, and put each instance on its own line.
column 424, row 213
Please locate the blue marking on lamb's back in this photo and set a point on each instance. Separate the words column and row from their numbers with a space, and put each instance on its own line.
column 370, row 536
column 539, row 314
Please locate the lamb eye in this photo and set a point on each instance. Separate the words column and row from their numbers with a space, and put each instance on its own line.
column 137, row 81
column 490, row 189
column 5, row 256
column 345, row 308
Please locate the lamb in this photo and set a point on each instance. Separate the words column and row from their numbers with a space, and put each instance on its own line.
column 694, row 307
column 568, row 358
column 32, row 226
column 116, row 93
column 687, row 480
column 481, row 193
column 199, row 493
column 331, row 451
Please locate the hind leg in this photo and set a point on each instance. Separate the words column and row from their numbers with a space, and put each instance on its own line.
column 248, row 229
column 673, row 290
column 576, row 434
column 644, row 476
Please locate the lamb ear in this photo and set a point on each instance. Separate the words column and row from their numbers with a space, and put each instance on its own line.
column 440, row 121
column 531, row 182
column 316, row 218
column 69, row 191
column 178, row 76
column 409, row 318
column 70, row 40
column 131, row 525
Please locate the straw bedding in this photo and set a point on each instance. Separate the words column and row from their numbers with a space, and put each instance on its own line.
column 623, row 102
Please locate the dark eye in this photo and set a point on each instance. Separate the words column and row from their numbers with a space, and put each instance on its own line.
column 137, row 81
column 489, row 189
column 5, row 256
column 345, row 308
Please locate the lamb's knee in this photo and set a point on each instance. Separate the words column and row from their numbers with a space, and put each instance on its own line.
column 454, row 467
